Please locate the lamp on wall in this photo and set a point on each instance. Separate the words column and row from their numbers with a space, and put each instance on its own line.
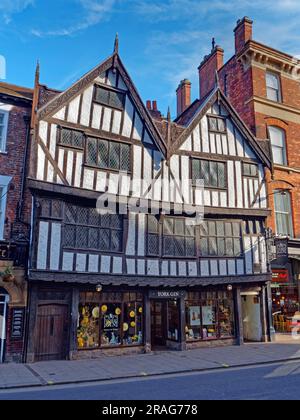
column 99, row 288
column 229, row 288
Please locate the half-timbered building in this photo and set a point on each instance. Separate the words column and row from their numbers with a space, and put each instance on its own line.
column 133, row 280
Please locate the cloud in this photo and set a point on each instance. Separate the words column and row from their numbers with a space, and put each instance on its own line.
column 93, row 12
column 10, row 7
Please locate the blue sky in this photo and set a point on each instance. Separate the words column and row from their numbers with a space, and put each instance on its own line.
column 161, row 41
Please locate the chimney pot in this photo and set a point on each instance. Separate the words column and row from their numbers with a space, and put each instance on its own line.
column 154, row 105
column 148, row 105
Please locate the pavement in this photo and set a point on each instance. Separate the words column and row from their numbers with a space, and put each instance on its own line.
column 146, row 365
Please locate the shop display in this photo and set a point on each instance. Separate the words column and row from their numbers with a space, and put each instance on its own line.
column 209, row 316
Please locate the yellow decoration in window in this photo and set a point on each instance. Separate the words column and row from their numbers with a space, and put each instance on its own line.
column 132, row 314
column 125, row 327
column 104, row 309
column 96, row 313
column 118, row 311
column 132, row 324
column 141, row 310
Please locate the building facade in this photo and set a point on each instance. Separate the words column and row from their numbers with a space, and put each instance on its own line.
column 110, row 275
column 15, row 215
column 263, row 86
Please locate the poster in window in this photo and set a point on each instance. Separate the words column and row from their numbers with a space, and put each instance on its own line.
column 195, row 316
column 208, row 315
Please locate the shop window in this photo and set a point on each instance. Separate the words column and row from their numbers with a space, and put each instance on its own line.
column 278, row 144
column 71, row 138
column 86, row 229
column 108, row 154
column 212, row 173
column 220, row 239
column 173, row 321
column 111, row 98
column 217, row 124
column 110, row 320
column 209, row 316
column 283, row 213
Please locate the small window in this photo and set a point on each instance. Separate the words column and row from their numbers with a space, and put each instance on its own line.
column 273, row 87
column 110, row 98
column 108, row 154
column 250, row 170
column 283, row 213
column 3, row 130
column 72, row 138
column 216, row 124
column 212, row 173
column 278, row 143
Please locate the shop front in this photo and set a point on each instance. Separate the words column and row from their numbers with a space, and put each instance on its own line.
column 79, row 322
column 285, row 298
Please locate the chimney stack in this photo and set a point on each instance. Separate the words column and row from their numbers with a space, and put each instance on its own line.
column 183, row 96
column 243, row 33
column 208, row 68
column 153, row 109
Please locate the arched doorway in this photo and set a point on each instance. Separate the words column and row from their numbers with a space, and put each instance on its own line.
column 4, row 299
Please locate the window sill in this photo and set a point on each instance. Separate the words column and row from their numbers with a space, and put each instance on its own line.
column 3, row 153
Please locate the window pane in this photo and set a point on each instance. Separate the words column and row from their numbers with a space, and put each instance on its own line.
column 221, row 175
column 196, row 170
column 89, row 329
column 114, row 156
column 213, row 124
column 169, row 246
column 179, row 250
column 91, row 152
column 153, row 244
column 125, row 157
column 214, row 174
column 272, row 81
column 277, row 137
column 103, row 153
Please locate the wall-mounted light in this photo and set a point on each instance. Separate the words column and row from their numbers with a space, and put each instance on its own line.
column 229, row 288
column 99, row 288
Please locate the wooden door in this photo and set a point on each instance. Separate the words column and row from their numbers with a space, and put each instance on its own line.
column 51, row 341
column 158, row 323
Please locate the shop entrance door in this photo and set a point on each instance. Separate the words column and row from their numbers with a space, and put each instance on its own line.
column 4, row 299
column 51, row 341
column 252, row 322
column 158, row 323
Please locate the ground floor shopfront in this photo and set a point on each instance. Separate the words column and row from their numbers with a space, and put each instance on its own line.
column 13, row 301
column 84, row 321
column 286, row 295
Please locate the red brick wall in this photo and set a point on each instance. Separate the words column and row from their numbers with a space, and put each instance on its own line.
column 11, row 164
column 237, row 84
column 207, row 71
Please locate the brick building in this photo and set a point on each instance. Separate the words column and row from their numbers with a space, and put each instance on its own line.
column 15, row 214
column 263, row 86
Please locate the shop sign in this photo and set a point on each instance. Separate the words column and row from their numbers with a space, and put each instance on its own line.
column 167, row 294
column 17, row 328
column 280, row 276
column 282, row 248
column 4, row 252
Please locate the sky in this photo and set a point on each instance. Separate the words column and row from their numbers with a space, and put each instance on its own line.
column 161, row 41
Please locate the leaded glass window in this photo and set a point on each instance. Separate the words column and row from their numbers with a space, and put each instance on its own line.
column 212, row 173
column 72, row 138
column 108, row 154
column 110, row 98
column 220, row 239
column 216, row 124
column 88, row 230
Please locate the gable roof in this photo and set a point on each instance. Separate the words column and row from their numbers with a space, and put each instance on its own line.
column 217, row 95
column 14, row 91
column 115, row 62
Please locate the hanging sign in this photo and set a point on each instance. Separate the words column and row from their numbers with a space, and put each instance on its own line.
column 280, row 276
column 282, row 248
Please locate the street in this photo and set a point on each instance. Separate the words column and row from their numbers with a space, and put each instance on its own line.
column 272, row 382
